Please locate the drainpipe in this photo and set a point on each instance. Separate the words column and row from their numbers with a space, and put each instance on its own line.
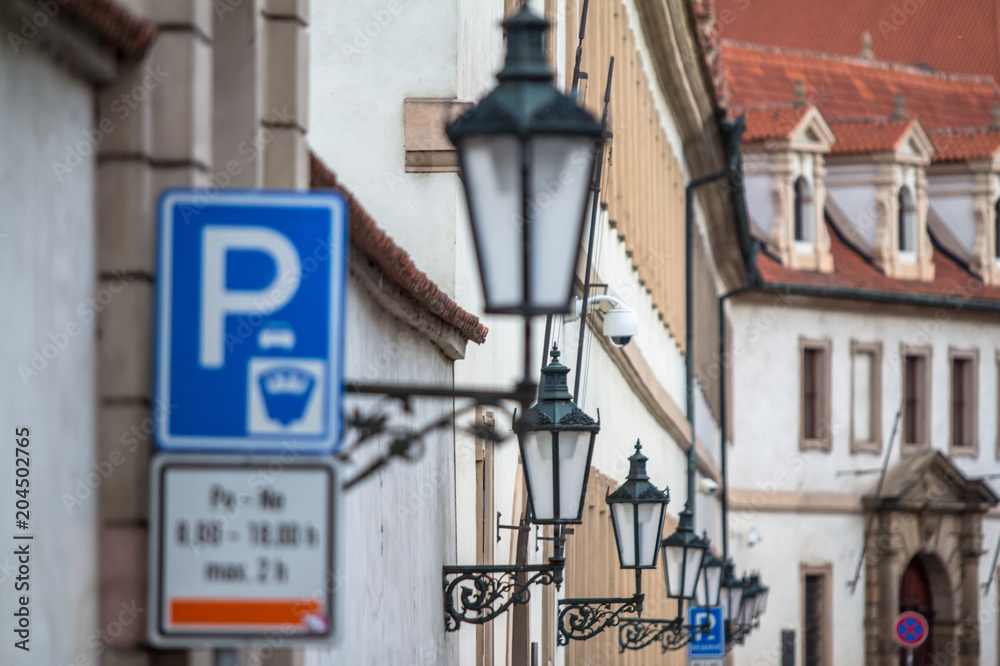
column 723, row 405
column 733, row 137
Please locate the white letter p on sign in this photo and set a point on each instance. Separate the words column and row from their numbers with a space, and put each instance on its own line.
column 217, row 302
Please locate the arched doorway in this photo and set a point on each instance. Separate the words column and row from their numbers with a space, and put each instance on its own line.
column 915, row 595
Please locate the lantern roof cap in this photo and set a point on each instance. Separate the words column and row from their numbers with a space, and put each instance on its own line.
column 637, row 487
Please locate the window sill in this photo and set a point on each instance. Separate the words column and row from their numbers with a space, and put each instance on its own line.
column 821, row 445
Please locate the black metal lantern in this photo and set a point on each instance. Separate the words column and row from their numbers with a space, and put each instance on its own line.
column 637, row 512
column 557, row 442
column 732, row 593
column 526, row 154
column 708, row 590
column 753, row 598
column 683, row 553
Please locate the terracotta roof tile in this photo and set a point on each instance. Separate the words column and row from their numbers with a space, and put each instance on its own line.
column 852, row 270
column 968, row 144
column 393, row 260
column 113, row 24
column 958, row 37
column 853, row 88
column 870, row 135
column 773, row 121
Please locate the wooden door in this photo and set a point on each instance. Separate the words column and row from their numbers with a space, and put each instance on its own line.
column 915, row 595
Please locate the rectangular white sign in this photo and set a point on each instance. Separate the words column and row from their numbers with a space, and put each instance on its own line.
column 242, row 550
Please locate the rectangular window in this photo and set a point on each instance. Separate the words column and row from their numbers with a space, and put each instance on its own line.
column 815, row 394
column 964, row 387
column 916, row 396
column 816, row 645
column 866, row 396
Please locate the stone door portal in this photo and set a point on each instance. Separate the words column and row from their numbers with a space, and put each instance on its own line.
column 915, row 595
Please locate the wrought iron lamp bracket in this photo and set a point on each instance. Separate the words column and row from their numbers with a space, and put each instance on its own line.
column 737, row 634
column 407, row 442
column 636, row 633
column 581, row 619
column 480, row 594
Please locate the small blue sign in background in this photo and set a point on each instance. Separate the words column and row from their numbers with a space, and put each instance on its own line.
column 711, row 643
column 250, row 319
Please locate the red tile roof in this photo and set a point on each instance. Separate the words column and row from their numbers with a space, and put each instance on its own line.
column 968, row 144
column 774, row 121
column 873, row 135
column 949, row 36
column 112, row 24
column 853, row 88
column 393, row 260
column 853, row 271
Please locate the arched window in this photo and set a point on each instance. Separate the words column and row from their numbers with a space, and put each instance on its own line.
column 996, row 230
column 907, row 221
column 804, row 217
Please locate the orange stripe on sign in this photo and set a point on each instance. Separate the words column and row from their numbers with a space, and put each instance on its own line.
column 241, row 611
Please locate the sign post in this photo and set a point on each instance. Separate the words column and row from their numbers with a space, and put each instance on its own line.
column 707, row 647
column 910, row 630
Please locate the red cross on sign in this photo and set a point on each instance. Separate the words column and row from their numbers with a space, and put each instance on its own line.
column 910, row 629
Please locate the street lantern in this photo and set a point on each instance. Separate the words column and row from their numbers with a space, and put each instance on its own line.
column 732, row 592
column 557, row 442
column 637, row 512
column 683, row 552
column 753, row 598
column 526, row 156
column 711, row 578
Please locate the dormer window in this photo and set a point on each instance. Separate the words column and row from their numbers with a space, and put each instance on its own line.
column 907, row 221
column 803, row 211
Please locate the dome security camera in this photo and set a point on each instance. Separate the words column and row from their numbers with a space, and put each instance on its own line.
column 708, row 486
column 620, row 325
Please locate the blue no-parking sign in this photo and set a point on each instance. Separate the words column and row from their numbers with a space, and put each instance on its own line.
column 709, row 643
column 250, row 318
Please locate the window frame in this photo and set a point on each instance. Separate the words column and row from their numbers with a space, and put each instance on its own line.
column 906, row 221
column 971, row 402
column 873, row 445
column 802, row 203
column 822, row 440
column 825, row 571
column 924, row 352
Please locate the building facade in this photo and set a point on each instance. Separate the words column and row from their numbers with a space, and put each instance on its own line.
column 862, row 355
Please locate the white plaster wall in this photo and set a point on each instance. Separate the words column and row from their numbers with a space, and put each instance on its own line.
column 766, row 402
column 47, row 272
column 398, row 524
column 366, row 57
column 788, row 541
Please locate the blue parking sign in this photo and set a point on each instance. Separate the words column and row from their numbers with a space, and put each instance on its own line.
column 710, row 643
column 250, row 321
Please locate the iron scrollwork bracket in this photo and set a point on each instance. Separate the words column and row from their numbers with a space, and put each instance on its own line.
column 480, row 594
column 736, row 634
column 636, row 633
column 407, row 442
column 581, row 619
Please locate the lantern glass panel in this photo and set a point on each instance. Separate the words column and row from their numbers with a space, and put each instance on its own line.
column 624, row 516
column 708, row 586
column 733, row 597
column 561, row 169
column 491, row 168
column 537, row 452
column 574, row 453
column 682, row 570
